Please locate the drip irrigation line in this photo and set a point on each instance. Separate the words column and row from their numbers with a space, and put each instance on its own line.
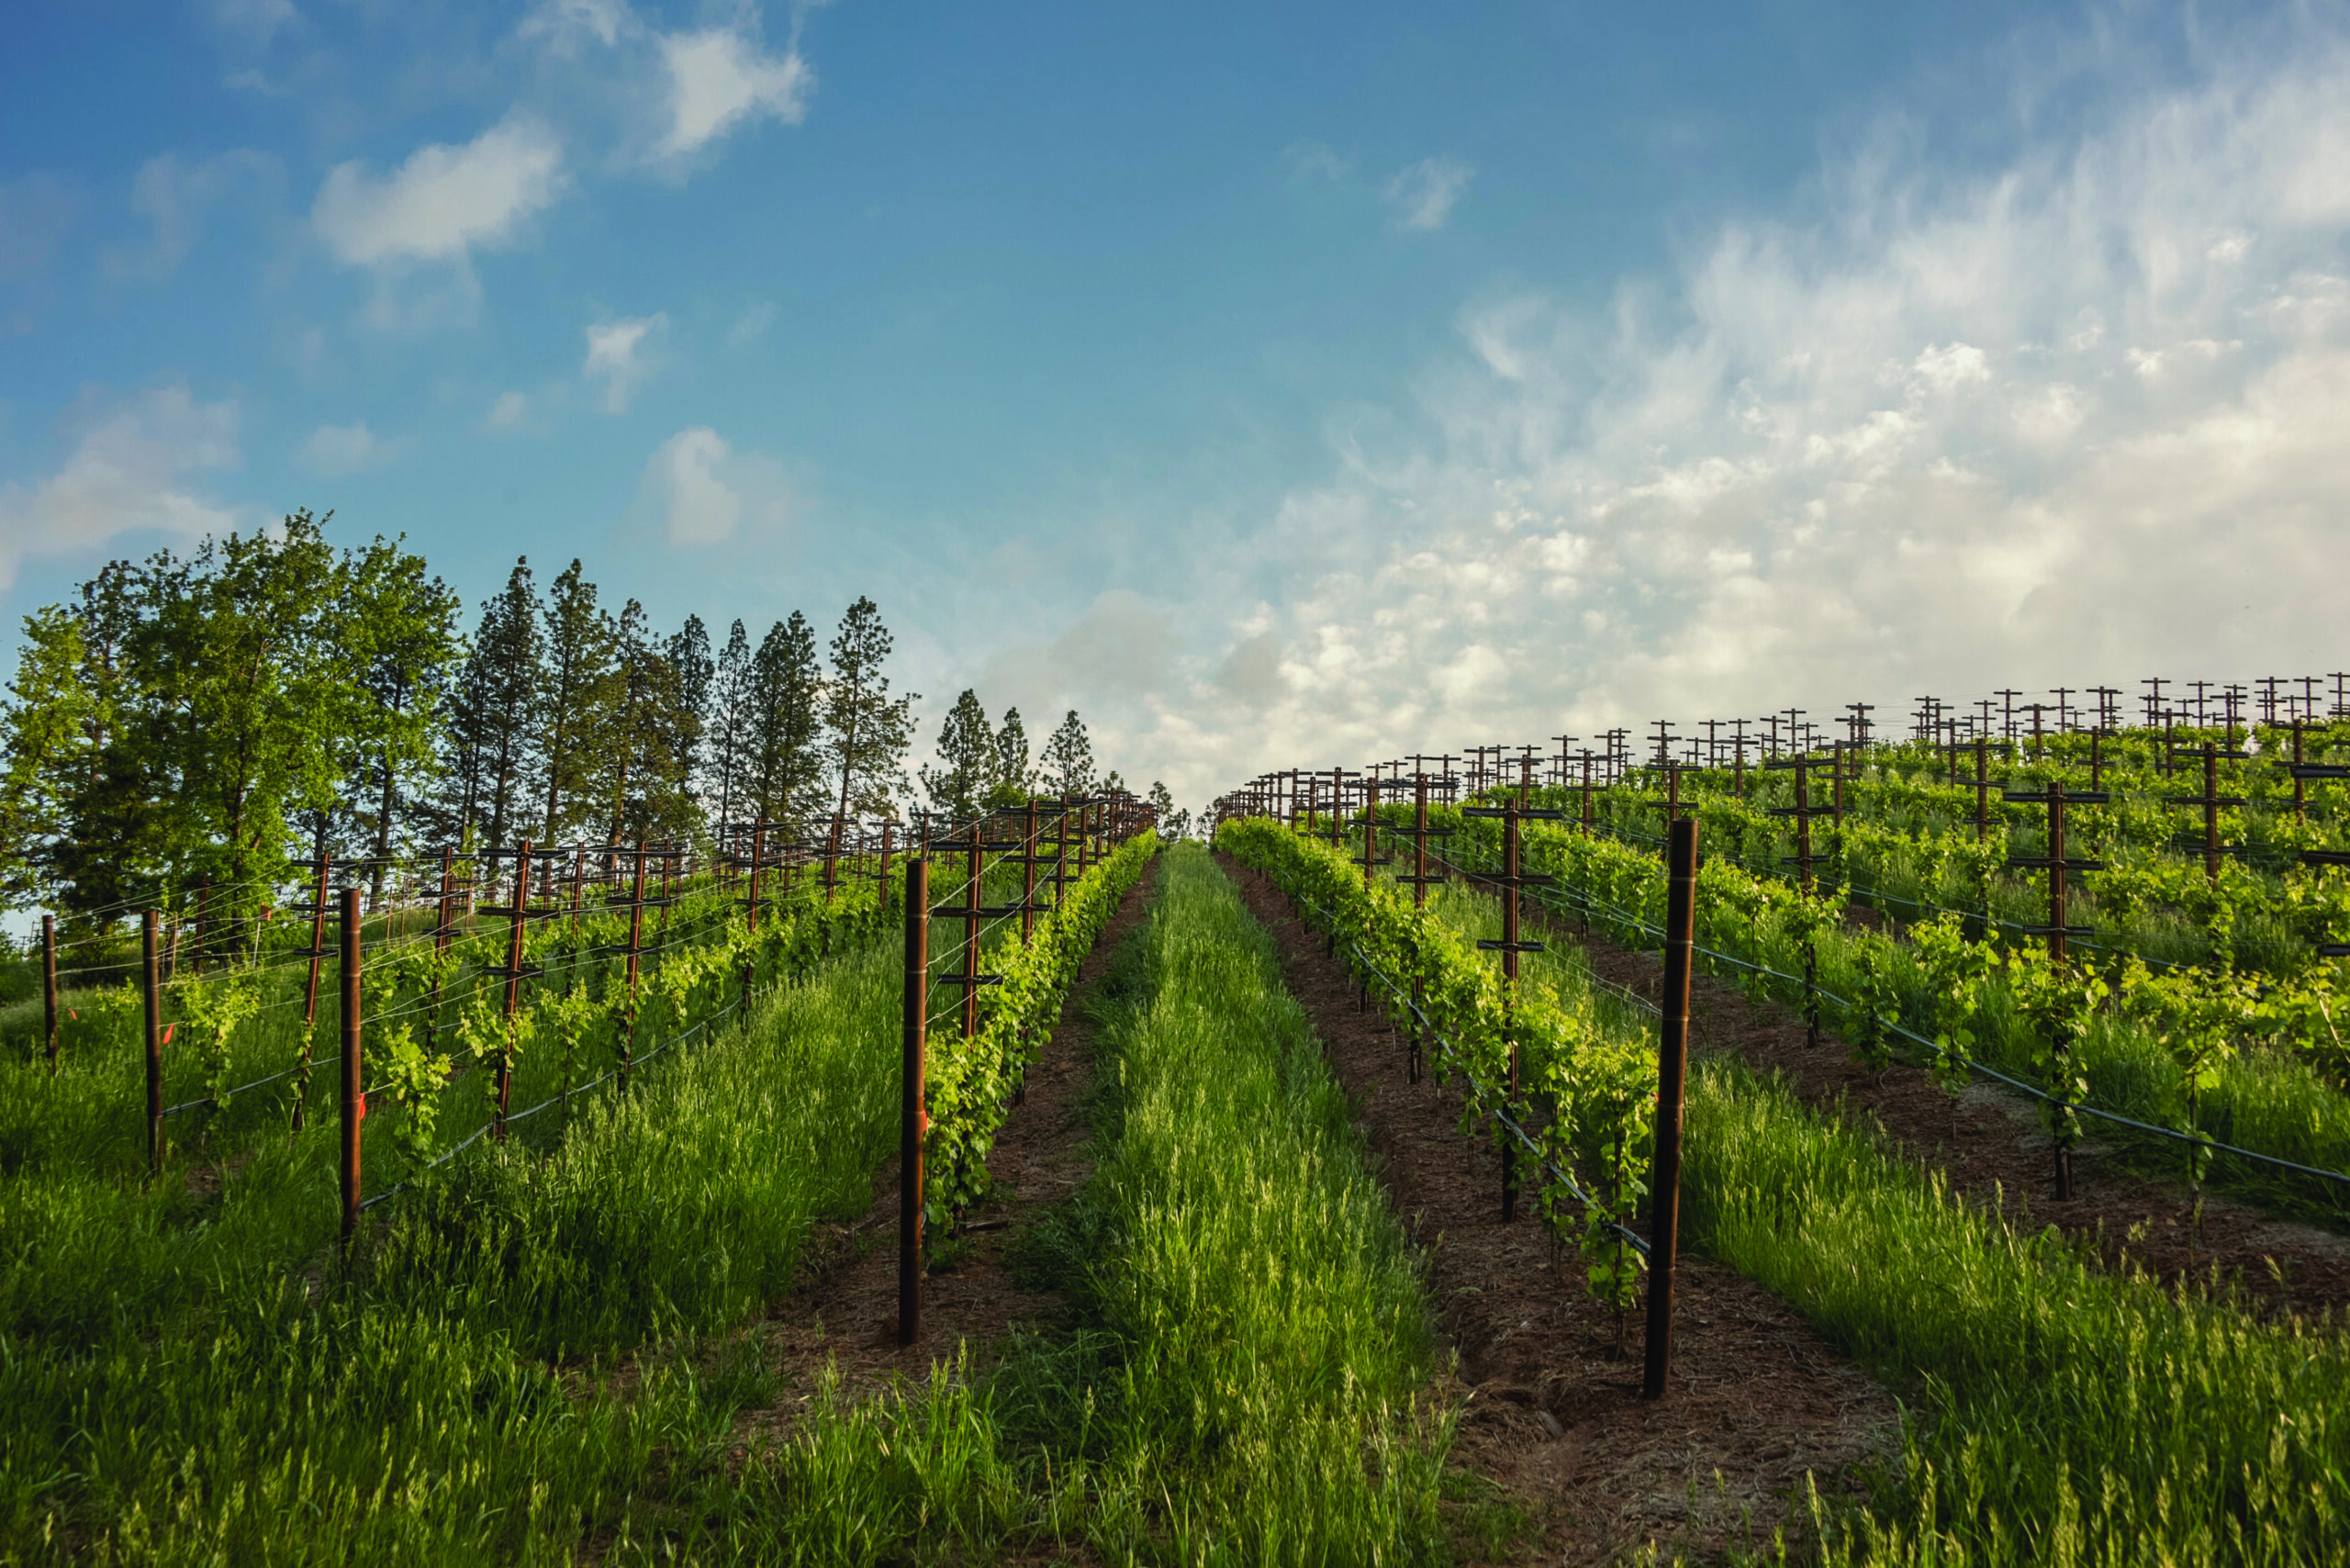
column 678, row 1040
column 1494, row 1105
column 1628, row 918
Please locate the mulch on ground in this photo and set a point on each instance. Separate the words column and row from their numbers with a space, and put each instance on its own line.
column 1554, row 1415
column 846, row 1312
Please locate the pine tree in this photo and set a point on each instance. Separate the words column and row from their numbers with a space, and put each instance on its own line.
column 865, row 733
column 576, row 700
column 1013, row 776
column 643, row 792
column 689, row 654
column 492, row 718
column 783, row 767
column 729, row 721
column 967, row 753
column 1068, row 757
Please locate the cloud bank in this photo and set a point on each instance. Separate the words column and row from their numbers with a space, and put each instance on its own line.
column 2077, row 419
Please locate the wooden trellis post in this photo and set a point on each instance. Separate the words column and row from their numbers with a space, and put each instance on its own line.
column 2056, row 864
column 1513, row 878
column 1803, row 811
column 151, row 993
column 912, row 1117
column 48, row 988
column 2211, row 799
column 353, row 1096
column 1672, row 1066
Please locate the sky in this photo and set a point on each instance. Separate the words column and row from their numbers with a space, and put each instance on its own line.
column 1275, row 385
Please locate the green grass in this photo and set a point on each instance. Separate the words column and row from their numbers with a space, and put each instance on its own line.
column 218, row 1390
column 1239, row 1376
column 2058, row 1411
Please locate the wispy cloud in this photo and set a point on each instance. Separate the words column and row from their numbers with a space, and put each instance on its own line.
column 2074, row 419
column 751, row 325
column 132, row 467
column 1423, row 193
column 1315, row 160
column 619, row 355
column 702, row 491
column 174, row 196
column 335, row 451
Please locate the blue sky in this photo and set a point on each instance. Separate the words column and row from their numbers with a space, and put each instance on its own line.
column 1272, row 383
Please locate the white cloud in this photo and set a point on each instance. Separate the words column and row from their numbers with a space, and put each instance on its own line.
column 568, row 25
column 444, row 201
column 751, row 325
column 720, row 78
column 337, row 450
column 616, row 355
column 130, row 469
column 1423, row 193
column 2076, row 419
column 704, row 492
column 510, row 409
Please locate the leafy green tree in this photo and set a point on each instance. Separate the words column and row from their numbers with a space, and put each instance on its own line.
column 1013, row 775
column 50, row 717
column 110, row 829
column 783, row 767
column 575, row 701
column 1164, row 803
column 1069, row 756
column 397, row 627
column 730, row 713
column 866, row 732
column 966, row 776
column 245, row 694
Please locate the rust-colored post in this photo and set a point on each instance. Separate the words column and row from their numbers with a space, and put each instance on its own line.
column 1509, row 1001
column 1028, row 877
column 1982, row 788
column 912, row 1118
column 971, row 932
column 48, row 986
column 520, row 916
column 355, row 1102
column 759, row 857
column 1672, row 1066
column 635, row 947
column 152, row 991
column 2056, row 901
column 441, row 935
column 2211, row 813
column 318, row 947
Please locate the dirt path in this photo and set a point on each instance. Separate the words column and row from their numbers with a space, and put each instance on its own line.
column 848, row 1313
column 1554, row 1415
column 1995, row 1149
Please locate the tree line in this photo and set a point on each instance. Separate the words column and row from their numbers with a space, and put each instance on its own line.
column 213, row 719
